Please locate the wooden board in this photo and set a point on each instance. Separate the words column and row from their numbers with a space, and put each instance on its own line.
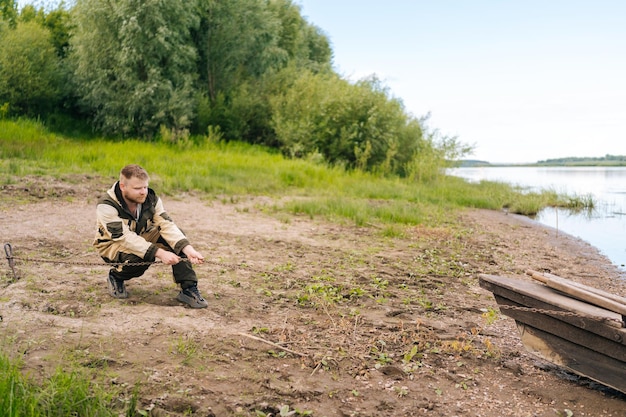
column 582, row 292
column 582, row 361
column 532, row 294
column 591, row 343
column 610, row 296
column 603, row 345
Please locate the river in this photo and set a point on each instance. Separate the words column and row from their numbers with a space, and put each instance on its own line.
column 604, row 227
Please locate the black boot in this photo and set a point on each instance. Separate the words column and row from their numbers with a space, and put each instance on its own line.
column 117, row 288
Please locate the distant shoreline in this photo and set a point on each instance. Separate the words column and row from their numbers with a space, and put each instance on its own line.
column 604, row 161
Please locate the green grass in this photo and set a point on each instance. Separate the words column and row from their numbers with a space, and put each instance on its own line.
column 233, row 169
column 65, row 393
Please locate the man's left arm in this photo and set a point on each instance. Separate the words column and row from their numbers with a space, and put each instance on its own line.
column 169, row 230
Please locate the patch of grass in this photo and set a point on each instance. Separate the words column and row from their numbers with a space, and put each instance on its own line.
column 317, row 293
column 187, row 347
column 64, row 393
column 491, row 315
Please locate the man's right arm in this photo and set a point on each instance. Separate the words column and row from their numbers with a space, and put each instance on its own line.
column 167, row 257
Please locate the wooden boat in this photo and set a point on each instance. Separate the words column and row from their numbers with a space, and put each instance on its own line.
column 574, row 326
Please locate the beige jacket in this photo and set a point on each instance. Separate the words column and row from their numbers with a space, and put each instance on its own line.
column 119, row 231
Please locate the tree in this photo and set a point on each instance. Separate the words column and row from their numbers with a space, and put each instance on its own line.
column 242, row 45
column 304, row 43
column 30, row 76
column 57, row 21
column 355, row 125
column 135, row 63
column 237, row 41
column 8, row 11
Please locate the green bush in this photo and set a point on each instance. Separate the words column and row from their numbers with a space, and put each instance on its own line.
column 353, row 125
column 30, row 70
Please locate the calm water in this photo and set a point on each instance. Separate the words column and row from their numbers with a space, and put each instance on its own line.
column 604, row 227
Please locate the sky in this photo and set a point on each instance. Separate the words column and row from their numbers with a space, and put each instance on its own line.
column 519, row 80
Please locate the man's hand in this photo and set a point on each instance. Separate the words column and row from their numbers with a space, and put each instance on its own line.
column 194, row 256
column 167, row 257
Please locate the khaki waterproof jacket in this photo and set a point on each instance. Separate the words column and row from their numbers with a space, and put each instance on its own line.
column 119, row 231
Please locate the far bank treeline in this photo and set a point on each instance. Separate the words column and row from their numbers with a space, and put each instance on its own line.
column 249, row 70
column 573, row 161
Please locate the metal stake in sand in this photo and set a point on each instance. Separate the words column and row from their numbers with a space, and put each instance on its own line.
column 8, row 250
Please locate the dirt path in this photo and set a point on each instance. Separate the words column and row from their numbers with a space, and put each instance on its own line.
column 325, row 319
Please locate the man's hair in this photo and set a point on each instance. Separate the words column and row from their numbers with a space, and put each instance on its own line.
column 133, row 171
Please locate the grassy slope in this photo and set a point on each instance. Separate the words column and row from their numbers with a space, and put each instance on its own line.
column 230, row 169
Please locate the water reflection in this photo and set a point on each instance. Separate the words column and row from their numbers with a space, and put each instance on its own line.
column 604, row 226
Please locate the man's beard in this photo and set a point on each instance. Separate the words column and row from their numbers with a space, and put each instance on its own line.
column 139, row 200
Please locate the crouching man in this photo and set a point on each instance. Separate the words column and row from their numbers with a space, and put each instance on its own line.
column 133, row 230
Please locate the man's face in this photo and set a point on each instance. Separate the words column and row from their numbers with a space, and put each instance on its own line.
column 134, row 190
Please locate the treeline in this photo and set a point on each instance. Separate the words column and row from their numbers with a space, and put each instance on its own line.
column 174, row 70
column 607, row 160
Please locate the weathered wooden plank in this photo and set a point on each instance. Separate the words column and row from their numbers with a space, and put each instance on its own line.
column 542, row 276
column 590, row 343
column 579, row 292
column 591, row 325
column 603, row 345
column 532, row 294
column 580, row 360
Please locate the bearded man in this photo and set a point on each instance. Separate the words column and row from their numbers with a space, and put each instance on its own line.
column 133, row 230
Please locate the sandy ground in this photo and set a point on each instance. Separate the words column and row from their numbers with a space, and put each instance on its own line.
column 305, row 316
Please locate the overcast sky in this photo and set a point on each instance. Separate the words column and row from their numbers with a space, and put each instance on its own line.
column 522, row 81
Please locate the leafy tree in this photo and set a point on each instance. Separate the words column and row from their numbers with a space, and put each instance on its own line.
column 357, row 125
column 242, row 44
column 251, row 112
column 30, row 72
column 304, row 43
column 8, row 11
column 57, row 21
column 135, row 63
column 237, row 40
